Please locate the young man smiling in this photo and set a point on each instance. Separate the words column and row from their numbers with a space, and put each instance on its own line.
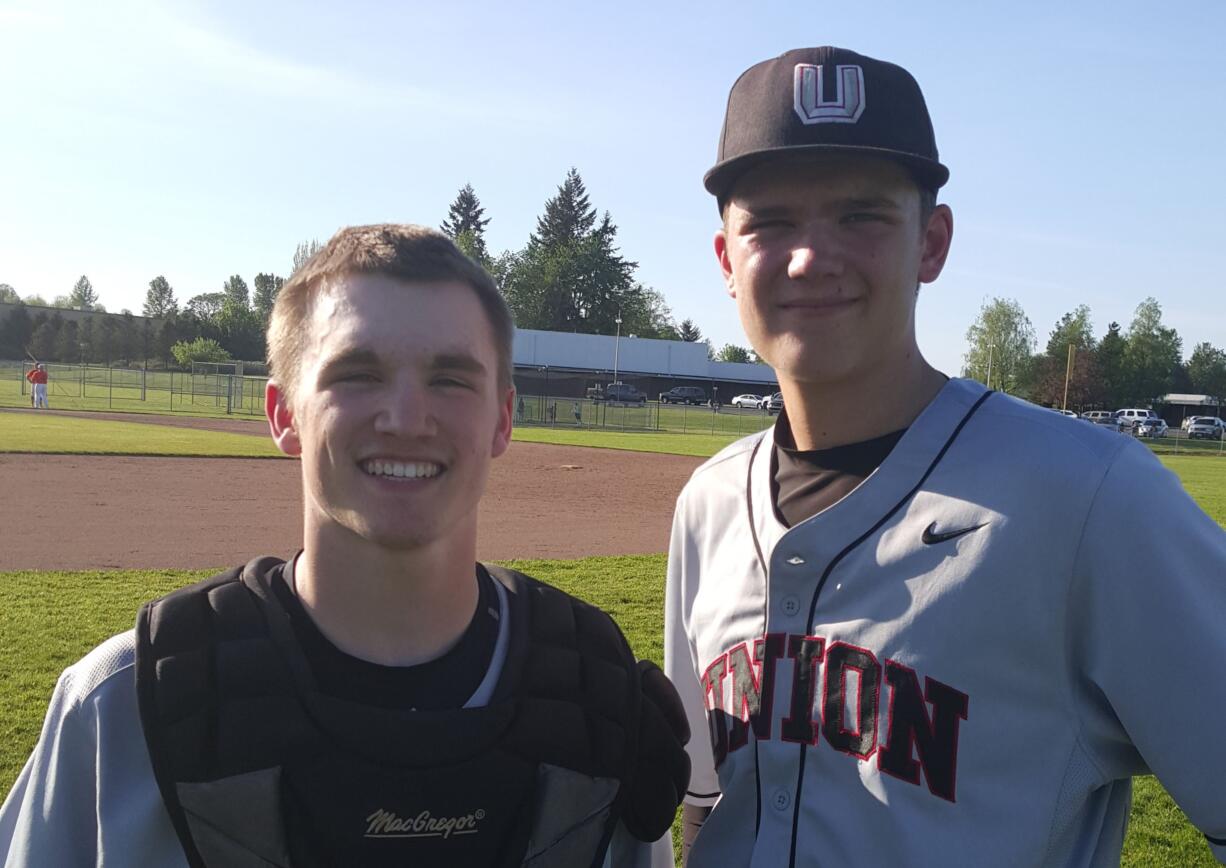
column 381, row 698
column 921, row 623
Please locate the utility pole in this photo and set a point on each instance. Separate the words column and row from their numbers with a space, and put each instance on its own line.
column 1068, row 372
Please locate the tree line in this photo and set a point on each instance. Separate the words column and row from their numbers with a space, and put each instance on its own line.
column 1122, row 368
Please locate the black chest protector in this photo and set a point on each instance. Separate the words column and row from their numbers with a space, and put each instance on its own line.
column 258, row 768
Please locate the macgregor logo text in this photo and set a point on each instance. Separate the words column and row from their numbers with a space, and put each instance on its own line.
column 385, row 824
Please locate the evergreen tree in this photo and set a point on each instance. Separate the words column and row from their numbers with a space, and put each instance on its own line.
column 266, row 288
column 571, row 276
column 465, row 225
column 67, row 343
column 83, row 296
column 1111, row 367
column 160, row 298
column 569, row 216
column 236, row 292
column 689, row 332
column 15, row 332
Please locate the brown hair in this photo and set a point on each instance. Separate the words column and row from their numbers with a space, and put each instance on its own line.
column 401, row 251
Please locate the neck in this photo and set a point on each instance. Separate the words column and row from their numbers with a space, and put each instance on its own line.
column 837, row 412
column 391, row 607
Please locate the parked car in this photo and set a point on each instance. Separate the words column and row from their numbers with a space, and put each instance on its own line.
column 1100, row 417
column 684, row 395
column 1190, row 421
column 773, row 403
column 1069, row 413
column 1207, row 428
column 754, row 401
column 1150, row 428
column 621, row 393
column 1127, row 418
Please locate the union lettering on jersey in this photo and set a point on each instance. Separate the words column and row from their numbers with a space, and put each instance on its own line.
column 842, row 695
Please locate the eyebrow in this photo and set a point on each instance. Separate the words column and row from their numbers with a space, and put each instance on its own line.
column 353, row 357
column 457, row 362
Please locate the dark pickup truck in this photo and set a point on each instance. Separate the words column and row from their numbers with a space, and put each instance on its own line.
column 619, row 393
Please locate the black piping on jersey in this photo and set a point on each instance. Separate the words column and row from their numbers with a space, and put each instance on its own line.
column 1221, row 842
column 800, row 772
column 757, row 773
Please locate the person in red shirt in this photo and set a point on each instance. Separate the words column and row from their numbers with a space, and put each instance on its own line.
column 38, row 379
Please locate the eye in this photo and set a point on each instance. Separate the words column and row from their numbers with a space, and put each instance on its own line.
column 450, row 382
column 854, row 217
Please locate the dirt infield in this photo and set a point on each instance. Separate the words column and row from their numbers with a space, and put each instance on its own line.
column 104, row 512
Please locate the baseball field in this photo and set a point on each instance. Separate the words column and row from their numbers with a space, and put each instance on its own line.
column 104, row 511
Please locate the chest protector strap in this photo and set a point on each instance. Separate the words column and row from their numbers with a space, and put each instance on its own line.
column 258, row 768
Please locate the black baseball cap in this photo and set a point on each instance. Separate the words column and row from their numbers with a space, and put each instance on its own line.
column 823, row 100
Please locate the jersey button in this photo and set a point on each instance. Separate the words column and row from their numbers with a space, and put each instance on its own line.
column 781, row 800
column 790, row 604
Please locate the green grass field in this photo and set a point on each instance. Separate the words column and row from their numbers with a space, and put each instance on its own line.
column 49, row 619
column 49, row 433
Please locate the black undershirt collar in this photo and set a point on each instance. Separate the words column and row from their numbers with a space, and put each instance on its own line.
column 445, row 682
column 805, row 482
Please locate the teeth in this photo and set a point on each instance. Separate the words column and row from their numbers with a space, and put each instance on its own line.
column 401, row 469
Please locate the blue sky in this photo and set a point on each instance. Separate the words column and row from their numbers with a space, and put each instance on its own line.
column 201, row 140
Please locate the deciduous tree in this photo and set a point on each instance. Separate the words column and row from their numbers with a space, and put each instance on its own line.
column 1151, row 353
column 1001, row 338
column 1207, row 370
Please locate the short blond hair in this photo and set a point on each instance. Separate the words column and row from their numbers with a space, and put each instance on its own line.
column 401, row 251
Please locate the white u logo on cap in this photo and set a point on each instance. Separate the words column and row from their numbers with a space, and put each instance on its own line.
column 809, row 100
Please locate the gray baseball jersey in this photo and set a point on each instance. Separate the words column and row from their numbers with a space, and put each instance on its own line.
column 962, row 662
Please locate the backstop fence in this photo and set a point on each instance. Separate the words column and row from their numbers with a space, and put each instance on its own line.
column 217, row 393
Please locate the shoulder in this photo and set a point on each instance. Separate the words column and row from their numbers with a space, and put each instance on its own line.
column 1025, row 431
column 557, row 616
column 728, row 467
column 105, row 669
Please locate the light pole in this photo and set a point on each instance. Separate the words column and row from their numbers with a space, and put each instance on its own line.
column 616, row 341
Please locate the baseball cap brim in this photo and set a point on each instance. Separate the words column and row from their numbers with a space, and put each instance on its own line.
column 719, row 180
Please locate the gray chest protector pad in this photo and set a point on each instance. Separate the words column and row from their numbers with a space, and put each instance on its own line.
column 258, row 768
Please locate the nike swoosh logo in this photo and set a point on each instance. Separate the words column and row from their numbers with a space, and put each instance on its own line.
column 931, row 537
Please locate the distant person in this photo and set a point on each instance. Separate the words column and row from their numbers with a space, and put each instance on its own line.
column 38, row 386
column 380, row 698
column 578, row 411
column 519, row 410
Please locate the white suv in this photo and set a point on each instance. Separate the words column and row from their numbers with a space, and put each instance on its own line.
column 1101, row 417
column 1127, row 418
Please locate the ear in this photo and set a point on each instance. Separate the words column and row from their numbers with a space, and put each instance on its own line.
column 725, row 265
column 281, row 420
column 502, row 434
column 937, row 237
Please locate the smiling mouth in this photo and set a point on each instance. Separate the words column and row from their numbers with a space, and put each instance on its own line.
column 387, row 469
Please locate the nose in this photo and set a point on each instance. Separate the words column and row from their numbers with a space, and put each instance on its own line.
column 405, row 410
column 818, row 252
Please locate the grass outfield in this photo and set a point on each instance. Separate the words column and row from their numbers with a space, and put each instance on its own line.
column 73, row 435
column 50, row 619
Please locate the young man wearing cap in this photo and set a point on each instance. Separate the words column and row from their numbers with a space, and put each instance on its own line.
column 379, row 699
column 921, row 622
column 38, row 386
